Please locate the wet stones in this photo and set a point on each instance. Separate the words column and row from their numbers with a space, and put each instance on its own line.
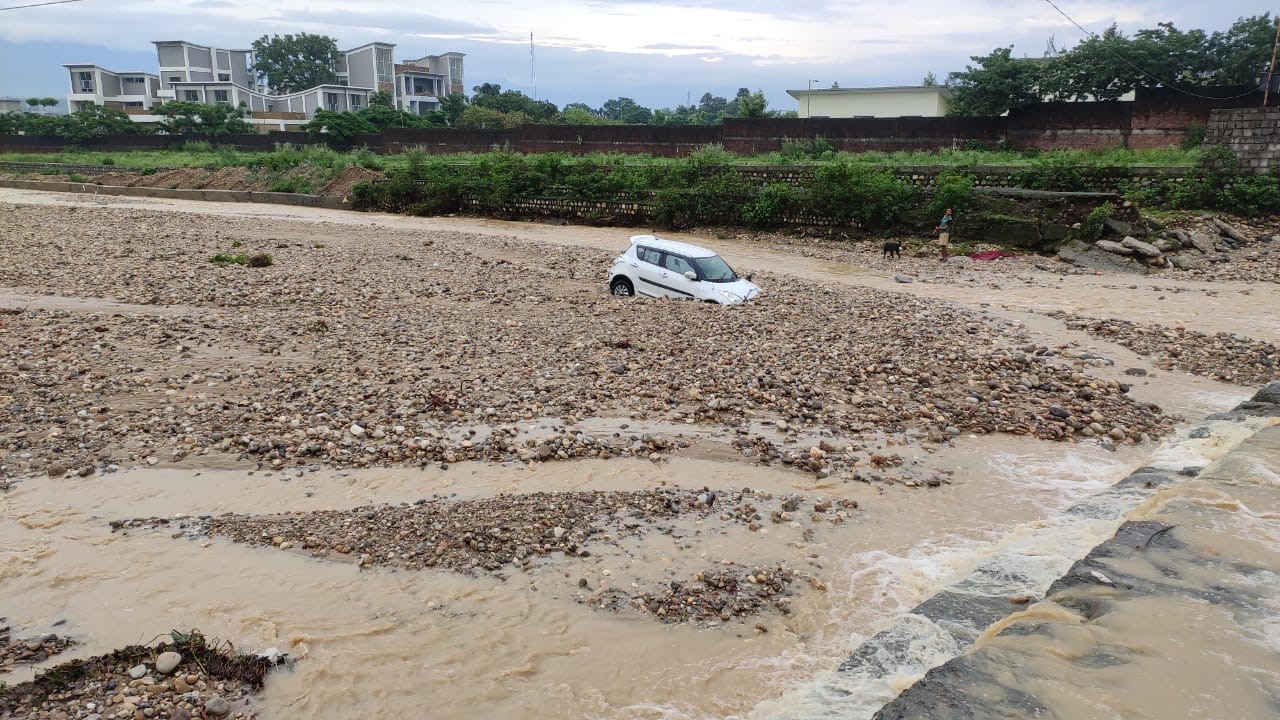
column 714, row 596
column 29, row 650
column 1229, row 357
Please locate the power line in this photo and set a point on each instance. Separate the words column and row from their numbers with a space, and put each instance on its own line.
column 1128, row 62
column 39, row 4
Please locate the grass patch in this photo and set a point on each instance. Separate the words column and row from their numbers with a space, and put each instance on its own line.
column 229, row 259
column 77, row 178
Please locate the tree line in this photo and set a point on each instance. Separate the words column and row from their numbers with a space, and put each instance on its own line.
column 1106, row 66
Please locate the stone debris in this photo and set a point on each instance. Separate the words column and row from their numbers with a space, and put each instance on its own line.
column 30, row 650
column 447, row 348
column 209, row 680
column 1229, row 357
column 716, row 595
column 477, row 535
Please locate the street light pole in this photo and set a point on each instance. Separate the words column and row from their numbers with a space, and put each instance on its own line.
column 808, row 98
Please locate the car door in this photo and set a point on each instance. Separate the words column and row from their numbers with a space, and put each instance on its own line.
column 673, row 280
column 648, row 267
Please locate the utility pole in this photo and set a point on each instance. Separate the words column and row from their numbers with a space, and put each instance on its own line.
column 808, row 97
column 1272, row 70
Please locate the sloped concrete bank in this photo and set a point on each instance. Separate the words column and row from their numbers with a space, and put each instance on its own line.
column 1173, row 616
column 243, row 196
column 918, row 666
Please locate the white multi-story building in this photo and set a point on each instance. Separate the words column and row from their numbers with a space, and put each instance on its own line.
column 217, row 76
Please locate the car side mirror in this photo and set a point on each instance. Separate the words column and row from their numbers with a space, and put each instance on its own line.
column 691, row 274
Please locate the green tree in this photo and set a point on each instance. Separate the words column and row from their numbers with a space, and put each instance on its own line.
column 33, row 103
column 452, row 106
column 210, row 121
column 712, row 108
column 481, row 118
column 289, row 63
column 381, row 98
column 626, row 110
column 338, row 128
column 48, row 102
column 930, row 80
column 998, row 84
column 1243, row 51
column 753, row 105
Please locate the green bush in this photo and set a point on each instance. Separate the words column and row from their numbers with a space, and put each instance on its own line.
column 196, row 146
column 853, row 193
column 292, row 185
column 773, row 206
column 1250, row 196
column 76, row 178
column 951, row 190
column 1194, row 137
column 815, row 148
column 107, row 161
column 1091, row 229
column 229, row 259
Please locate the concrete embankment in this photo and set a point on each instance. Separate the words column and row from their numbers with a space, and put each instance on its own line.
column 1173, row 616
column 242, row 196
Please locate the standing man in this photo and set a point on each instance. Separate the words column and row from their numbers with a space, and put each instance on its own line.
column 944, row 234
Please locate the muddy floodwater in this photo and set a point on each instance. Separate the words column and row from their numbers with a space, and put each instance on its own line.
column 529, row 641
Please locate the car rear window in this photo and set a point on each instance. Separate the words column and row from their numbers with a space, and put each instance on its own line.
column 649, row 255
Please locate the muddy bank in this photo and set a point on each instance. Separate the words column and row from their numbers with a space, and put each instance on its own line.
column 1183, row 585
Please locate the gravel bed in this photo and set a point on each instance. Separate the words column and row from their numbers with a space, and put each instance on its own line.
column 1229, row 357
column 404, row 349
column 716, row 595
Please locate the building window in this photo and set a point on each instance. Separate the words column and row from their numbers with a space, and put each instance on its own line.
column 224, row 77
column 384, row 65
column 175, row 79
column 86, row 82
column 331, row 101
column 455, row 71
column 222, row 97
column 191, row 95
column 355, row 103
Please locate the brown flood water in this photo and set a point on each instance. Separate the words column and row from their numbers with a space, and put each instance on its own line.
column 381, row 643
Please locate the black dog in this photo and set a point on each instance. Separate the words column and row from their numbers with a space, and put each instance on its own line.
column 891, row 249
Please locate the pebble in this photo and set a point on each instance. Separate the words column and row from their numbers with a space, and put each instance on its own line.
column 167, row 662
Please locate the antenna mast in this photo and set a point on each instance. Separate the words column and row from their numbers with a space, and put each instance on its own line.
column 533, row 76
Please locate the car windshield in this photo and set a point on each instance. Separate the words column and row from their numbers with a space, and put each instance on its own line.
column 714, row 269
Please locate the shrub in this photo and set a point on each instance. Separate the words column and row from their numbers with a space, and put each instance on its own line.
column 77, row 178
column 108, row 161
column 1194, row 137
column 292, row 185
column 773, row 206
column 229, row 259
column 814, row 148
column 196, row 146
column 854, row 193
column 260, row 260
column 1091, row 229
column 1250, row 196
column 951, row 190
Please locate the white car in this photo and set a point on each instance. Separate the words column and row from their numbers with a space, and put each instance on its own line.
column 664, row 268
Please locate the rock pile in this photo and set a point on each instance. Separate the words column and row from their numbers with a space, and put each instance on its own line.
column 454, row 347
column 716, row 595
column 474, row 535
column 1231, row 358
column 29, row 650
column 1206, row 247
column 198, row 681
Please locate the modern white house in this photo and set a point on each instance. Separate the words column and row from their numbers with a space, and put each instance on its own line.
column 209, row 75
column 876, row 102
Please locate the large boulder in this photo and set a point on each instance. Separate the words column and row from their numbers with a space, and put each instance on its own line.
column 1092, row 258
column 1188, row 261
column 1226, row 229
column 1118, row 227
column 1114, row 247
column 1145, row 249
column 1203, row 242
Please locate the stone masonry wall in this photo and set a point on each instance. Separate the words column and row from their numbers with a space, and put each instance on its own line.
column 1253, row 134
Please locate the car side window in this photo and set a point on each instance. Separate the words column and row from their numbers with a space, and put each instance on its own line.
column 649, row 255
column 677, row 264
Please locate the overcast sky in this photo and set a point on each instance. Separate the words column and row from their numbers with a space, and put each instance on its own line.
column 661, row 53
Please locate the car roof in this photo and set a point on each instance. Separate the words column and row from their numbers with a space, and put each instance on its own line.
column 679, row 248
